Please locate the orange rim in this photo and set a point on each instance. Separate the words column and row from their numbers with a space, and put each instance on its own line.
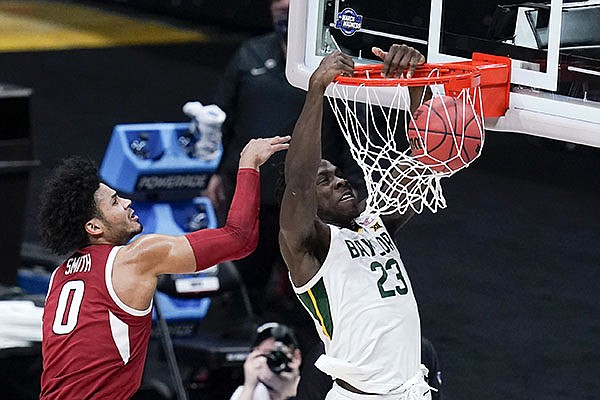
column 425, row 74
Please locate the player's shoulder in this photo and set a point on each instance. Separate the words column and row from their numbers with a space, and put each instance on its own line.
column 146, row 248
column 140, row 244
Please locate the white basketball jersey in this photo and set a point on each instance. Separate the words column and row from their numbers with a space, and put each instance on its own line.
column 364, row 309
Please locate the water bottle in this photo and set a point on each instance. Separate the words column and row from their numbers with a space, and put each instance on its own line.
column 207, row 122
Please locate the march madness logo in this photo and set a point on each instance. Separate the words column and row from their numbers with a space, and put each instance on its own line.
column 348, row 21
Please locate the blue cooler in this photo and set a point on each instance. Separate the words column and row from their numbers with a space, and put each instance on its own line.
column 156, row 161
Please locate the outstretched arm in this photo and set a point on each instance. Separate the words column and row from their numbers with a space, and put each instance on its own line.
column 138, row 264
column 160, row 254
column 301, row 231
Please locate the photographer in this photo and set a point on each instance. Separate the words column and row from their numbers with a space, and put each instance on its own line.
column 271, row 371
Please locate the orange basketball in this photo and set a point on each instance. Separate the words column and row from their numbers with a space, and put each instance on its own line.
column 445, row 135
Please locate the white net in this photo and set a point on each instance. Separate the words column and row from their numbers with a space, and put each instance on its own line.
column 378, row 126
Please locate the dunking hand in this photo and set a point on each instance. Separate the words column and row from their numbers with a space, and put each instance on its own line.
column 397, row 59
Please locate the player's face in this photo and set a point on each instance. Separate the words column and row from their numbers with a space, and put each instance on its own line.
column 336, row 199
column 119, row 222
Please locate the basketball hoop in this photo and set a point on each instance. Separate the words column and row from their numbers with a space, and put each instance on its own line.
column 425, row 74
column 445, row 134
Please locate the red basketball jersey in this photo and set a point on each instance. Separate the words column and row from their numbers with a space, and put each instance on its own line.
column 94, row 346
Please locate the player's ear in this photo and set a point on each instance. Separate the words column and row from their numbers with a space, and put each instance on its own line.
column 94, row 227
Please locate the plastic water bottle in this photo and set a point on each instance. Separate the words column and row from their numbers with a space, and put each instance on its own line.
column 206, row 122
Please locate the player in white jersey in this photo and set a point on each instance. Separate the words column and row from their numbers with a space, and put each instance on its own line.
column 344, row 266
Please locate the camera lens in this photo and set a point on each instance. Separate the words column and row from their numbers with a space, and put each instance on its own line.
column 277, row 361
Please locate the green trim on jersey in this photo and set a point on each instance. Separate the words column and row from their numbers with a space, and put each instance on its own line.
column 317, row 302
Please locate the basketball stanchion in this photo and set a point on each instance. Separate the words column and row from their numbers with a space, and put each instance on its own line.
column 403, row 154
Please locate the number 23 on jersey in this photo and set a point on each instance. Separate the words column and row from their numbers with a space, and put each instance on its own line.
column 390, row 285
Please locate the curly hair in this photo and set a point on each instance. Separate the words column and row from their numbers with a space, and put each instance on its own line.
column 67, row 203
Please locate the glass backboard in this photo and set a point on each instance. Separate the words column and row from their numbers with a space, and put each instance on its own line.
column 554, row 47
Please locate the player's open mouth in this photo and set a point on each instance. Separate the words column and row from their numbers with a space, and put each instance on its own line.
column 347, row 196
column 133, row 216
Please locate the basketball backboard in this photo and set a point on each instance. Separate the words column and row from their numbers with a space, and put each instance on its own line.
column 554, row 47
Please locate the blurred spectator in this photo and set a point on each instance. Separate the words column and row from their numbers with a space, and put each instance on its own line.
column 260, row 102
column 272, row 369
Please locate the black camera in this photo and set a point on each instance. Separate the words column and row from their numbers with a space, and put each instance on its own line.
column 285, row 343
column 278, row 360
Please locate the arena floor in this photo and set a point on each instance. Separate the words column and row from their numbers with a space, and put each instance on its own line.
column 506, row 277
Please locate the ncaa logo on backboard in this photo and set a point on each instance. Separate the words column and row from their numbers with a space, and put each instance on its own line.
column 348, row 21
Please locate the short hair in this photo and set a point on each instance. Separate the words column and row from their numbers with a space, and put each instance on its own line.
column 67, row 202
column 280, row 332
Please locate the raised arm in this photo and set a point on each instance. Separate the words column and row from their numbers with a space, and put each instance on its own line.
column 152, row 255
column 302, row 234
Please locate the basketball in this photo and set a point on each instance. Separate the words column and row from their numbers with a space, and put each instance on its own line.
column 444, row 135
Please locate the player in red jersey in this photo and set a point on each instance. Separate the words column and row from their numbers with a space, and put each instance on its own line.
column 97, row 316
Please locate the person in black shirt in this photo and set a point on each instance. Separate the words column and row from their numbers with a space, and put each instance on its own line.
column 260, row 102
